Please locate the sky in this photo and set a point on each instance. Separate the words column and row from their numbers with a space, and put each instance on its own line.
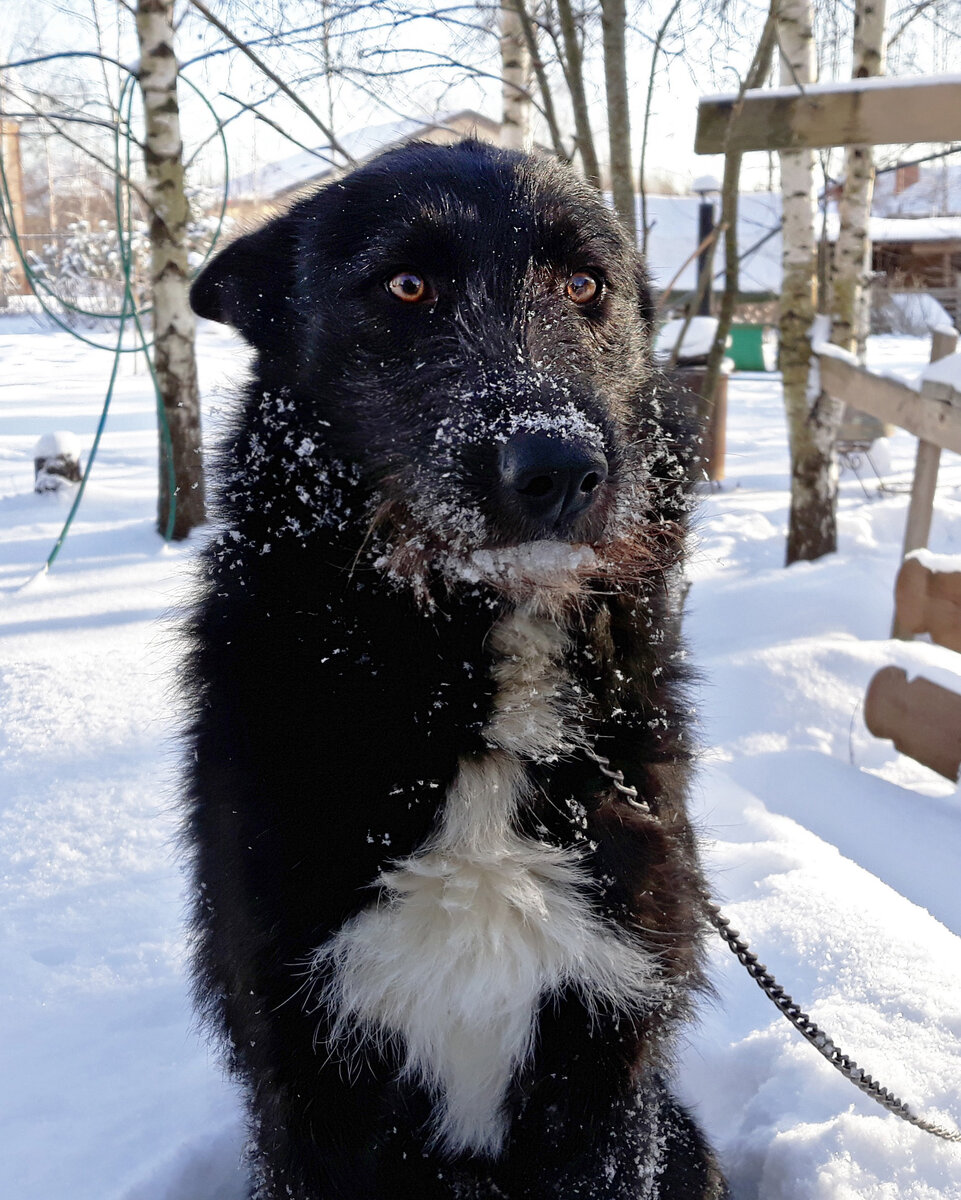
column 701, row 55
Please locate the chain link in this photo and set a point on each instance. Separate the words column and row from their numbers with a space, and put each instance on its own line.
column 807, row 1028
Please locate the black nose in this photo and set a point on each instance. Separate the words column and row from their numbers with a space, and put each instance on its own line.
column 549, row 479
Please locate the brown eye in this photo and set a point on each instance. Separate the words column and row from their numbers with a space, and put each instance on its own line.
column 582, row 288
column 409, row 287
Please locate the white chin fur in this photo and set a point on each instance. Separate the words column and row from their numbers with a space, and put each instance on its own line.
column 530, row 564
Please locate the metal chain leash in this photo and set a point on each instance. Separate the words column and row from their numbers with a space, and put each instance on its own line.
column 807, row 1028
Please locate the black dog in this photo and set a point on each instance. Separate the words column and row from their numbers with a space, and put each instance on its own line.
column 446, row 951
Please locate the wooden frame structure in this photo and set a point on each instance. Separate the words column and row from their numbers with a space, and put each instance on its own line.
column 933, row 415
column 922, row 718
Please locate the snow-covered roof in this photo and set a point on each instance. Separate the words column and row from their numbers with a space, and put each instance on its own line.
column 938, row 191
column 310, row 166
column 673, row 236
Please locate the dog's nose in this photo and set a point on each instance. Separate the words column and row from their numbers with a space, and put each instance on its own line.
column 551, row 479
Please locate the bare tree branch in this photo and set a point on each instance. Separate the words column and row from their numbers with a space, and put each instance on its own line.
column 274, row 78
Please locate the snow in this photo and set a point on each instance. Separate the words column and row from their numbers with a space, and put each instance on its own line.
column 945, row 370
column 673, row 238
column 698, row 338
column 918, row 313
column 879, row 84
column 829, row 350
column 835, row 856
column 938, row 563
column 937, row 191
column 59, row 444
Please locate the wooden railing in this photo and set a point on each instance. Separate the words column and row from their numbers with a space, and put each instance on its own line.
column 933, row 415
column 923, row 719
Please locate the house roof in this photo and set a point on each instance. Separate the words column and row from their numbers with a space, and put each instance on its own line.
column 672, row 237
column 276, row 179
column 673, row 222
column 936, row 193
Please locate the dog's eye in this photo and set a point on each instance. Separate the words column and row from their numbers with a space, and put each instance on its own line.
column 583, row 288
column 409, row 287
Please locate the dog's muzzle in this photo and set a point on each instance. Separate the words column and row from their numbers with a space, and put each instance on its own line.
column 549, row 481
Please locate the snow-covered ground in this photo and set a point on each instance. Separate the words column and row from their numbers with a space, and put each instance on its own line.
column 838, row 858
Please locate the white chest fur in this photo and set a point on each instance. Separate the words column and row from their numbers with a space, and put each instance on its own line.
column 478, row 929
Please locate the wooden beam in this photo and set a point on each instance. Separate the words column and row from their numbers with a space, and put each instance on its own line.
column 929, row 249
column 888, row 400
column 870, row 112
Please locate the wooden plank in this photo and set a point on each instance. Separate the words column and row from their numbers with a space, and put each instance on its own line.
column 920, row 717
column 870, row 112
column 926, row 465
column 921, row 508
column 889, row 400
column 929, row 602
column 930, row 249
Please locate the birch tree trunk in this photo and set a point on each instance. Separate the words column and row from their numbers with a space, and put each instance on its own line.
column 850, row 280
column 181, row 463
column 543, row 83
column 614, row 31
column 811, row 525
column 573, row 65
column 515, row 81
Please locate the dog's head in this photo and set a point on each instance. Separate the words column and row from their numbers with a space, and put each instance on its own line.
column 463, row 332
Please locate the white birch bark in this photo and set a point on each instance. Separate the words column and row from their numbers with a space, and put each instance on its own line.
column 516, row 78
column 173, row 321
column 850, row 283
column 811, row 527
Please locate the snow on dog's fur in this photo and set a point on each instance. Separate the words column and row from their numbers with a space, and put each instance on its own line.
column 446, row 957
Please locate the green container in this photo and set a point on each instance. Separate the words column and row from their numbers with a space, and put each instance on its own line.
column 753, row 347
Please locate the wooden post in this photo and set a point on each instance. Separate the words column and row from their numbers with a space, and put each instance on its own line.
column 926, row 465
column 10, row 156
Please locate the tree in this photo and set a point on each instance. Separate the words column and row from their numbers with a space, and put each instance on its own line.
column 516, row 77
column 730, row 190
column 852, row 253
column 614, row 29
column 175, row 367
column 811, row 525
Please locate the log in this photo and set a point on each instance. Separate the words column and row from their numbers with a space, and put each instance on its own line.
column 929, row 602
column 921, row 718
column 56, row 461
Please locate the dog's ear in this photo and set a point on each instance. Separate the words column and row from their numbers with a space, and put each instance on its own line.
column 250, row 285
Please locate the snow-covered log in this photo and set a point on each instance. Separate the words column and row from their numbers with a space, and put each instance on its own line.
column 56, row 461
